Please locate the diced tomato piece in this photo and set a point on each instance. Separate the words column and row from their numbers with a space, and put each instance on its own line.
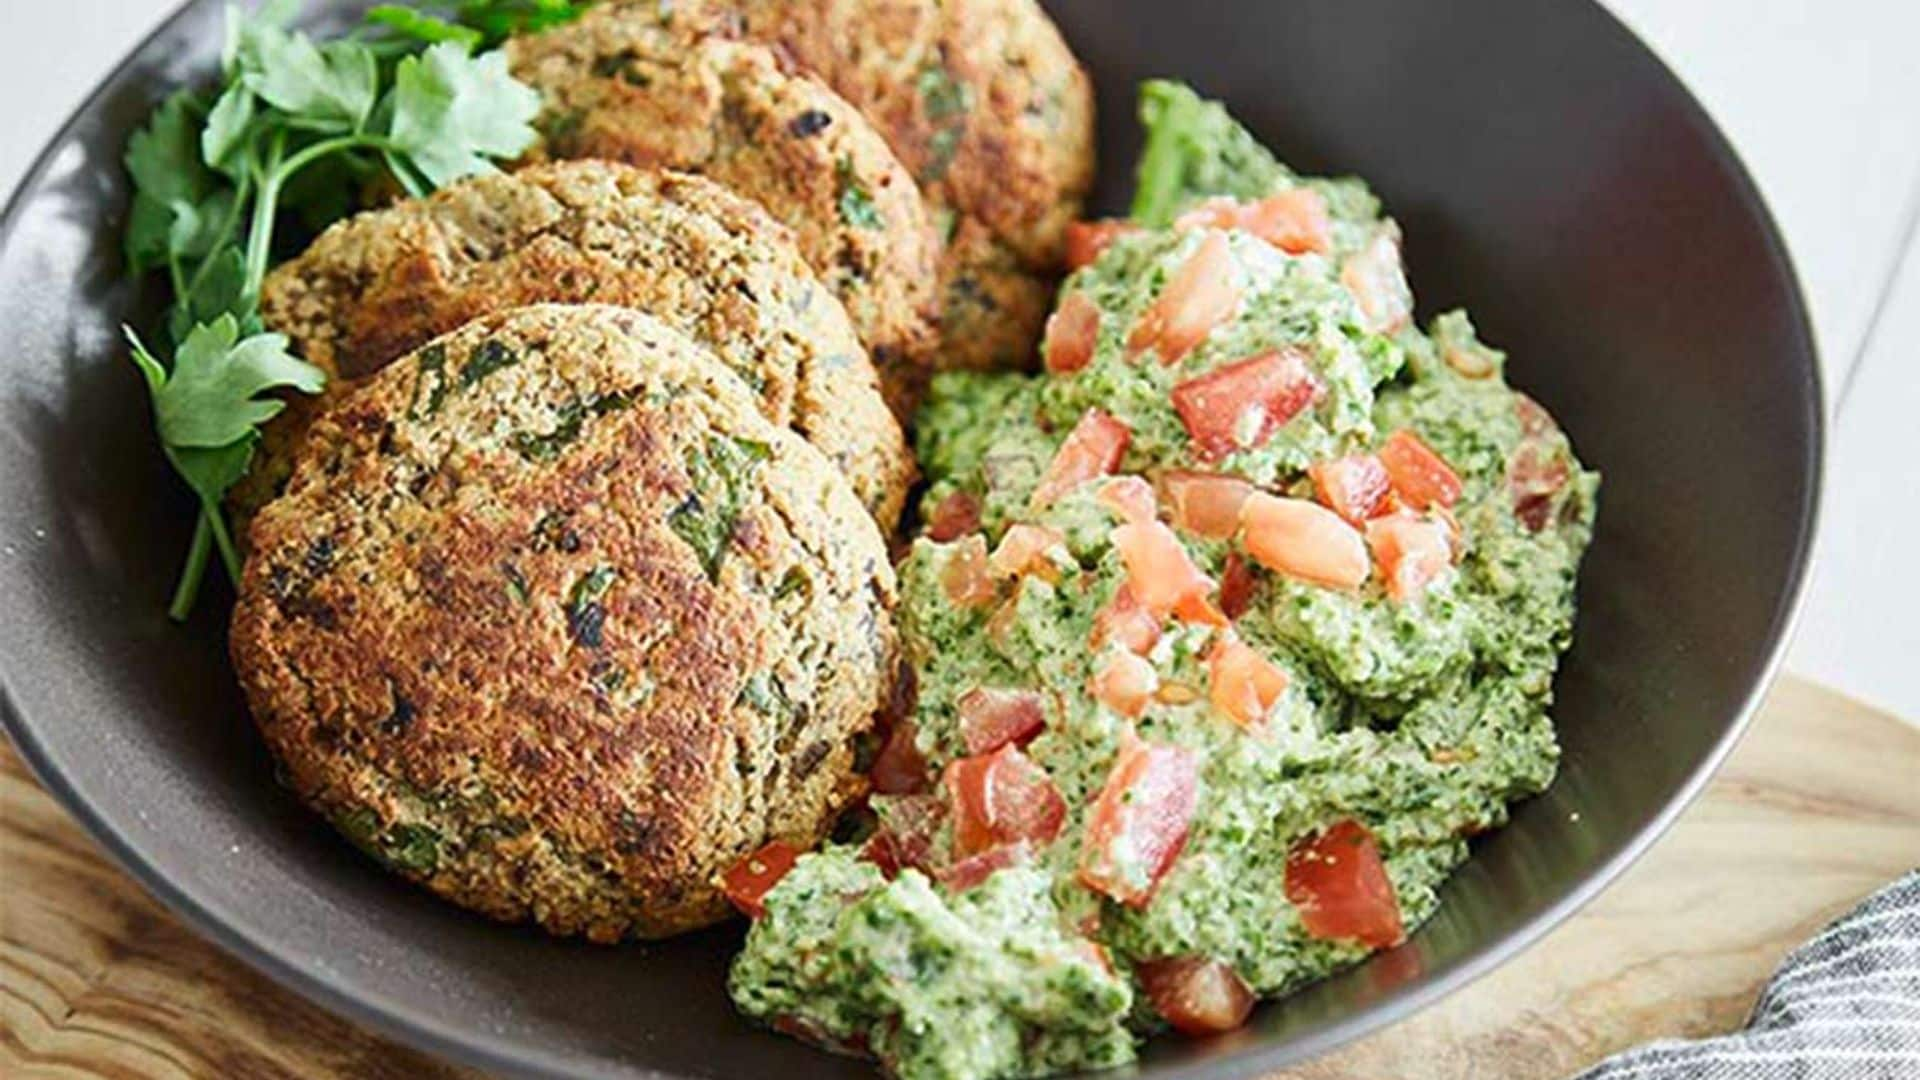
column 1130, row 497
column 748, row 881
column 1535, row 475
column 965, row 873
column 1243, row 685
column 1419, row 476
column 1295, row 221
column 1027, row 549
column 1355, row 487
column 1195, row 608
column 954, row 516
column 1139, row 821
column 1159, row 571
column 1304, row 540
column 1239, row 406
column 1001, row 798
column 1206, row 504
column 908, row 827
column 1093, row 449
column 1534, row 418
column 1200, row 296
column 1236, row 586
column 1125, row 683
column 1341, row 887
column 1412, row 553
column 1006, row 619
column 991, row 718
column 1378, row 283
column 1196, row 995
column 1086, row 240
column 899, row 769
column 966, row 577
column 1125, row 621
column 880, row 853
column 1072, row 332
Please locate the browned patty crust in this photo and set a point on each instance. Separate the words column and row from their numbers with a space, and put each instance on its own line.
column 706, row 261
column 990, row 110
column 552, row 621
column 632, row 85
column 981, row 99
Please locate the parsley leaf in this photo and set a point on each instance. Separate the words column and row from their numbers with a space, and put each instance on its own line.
column 169, row 180
column 211, row 398
column 329, row 88
column 420, row 26
column 294, row 129
column 164, row 157
column 452, row 112
column 856, row 203
column 498, row 20
column 207, row 409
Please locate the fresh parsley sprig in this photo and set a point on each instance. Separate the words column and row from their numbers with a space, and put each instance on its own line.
column 293, row 126
column 476, row 22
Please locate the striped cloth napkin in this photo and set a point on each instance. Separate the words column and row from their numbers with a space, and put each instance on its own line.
column 1844, row 1006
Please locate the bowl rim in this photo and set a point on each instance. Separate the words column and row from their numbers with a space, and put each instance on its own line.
column 505, row 1056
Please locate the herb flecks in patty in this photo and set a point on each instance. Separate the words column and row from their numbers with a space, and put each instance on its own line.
column 720, row 477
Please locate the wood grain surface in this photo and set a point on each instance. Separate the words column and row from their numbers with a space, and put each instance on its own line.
column 1818, row 807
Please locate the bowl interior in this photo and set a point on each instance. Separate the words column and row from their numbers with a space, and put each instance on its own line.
column 1549, row 173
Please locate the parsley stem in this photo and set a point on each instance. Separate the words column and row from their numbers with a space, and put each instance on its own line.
column 191, row 574
column 227, row 228
column 260, row 235
column 222, row 539
column 274, row 176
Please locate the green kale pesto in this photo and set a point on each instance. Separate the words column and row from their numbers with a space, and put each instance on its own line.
column 1421, row 717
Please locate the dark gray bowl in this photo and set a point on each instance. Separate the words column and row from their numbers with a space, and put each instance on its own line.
column 1549, row 172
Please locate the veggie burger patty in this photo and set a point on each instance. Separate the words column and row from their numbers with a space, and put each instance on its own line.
column 706, row 261
column 643, row 89
column 988, row 107
column 552, row 621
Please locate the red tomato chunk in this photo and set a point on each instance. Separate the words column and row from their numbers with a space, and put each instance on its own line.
column 1420, row 477
column 1412, row 553
column 953, row 517
column 991, row 718
column 899, row 769
column 1160, row 574
column 1205, row 504
column 967, row 580
column 1243, row 684
column 1129, row 497
column 1093, row 449
column 974, row 869
column 1139, row 821
column 1196, row 995
column 1072, row 332
column 749, row 880
column 1355, row 487
column 1304, row 540
column 1125, row 621
column 1294, row 221
column 1236, row 586
column 1001, row 798
column 1086, row 240
column 1201, row 295
column 1340, row 885
column 1239, row 406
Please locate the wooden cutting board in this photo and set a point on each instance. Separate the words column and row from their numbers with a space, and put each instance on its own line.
column 1818, row 807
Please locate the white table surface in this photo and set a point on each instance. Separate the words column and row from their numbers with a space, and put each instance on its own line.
column 1822, row 98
